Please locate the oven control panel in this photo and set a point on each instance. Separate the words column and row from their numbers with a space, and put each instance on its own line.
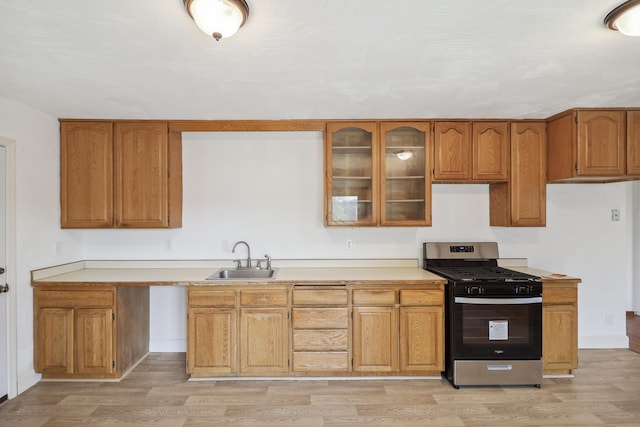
column 498, row 289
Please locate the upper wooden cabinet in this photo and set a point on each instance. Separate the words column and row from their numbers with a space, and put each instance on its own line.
column 378, row 174
column 633, row 142
column 471, row 151
column 453, row 151
column 522, row 200
column 122, row 174
column 593, row 145
column 86, row 174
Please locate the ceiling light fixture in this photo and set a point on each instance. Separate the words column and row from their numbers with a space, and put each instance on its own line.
column 625, row 18
column 218, row 18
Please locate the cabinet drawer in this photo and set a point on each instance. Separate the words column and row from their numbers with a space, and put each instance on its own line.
column 277, row 297
column 320, row 297
column 331, row 340
column 87, row 299
column 320, row 361
column 374, row 297
column 421, row 297
column 211, row 298
column 560, row 295
column 319, row 318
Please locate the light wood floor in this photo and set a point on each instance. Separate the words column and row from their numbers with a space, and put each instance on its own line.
column 605, row 391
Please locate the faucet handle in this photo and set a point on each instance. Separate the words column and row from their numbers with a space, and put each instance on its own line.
column 239, row 263
column 259, row 264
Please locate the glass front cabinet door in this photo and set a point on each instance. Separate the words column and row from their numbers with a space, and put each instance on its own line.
column 378, row 174
column 405, row 173
column 351, row 173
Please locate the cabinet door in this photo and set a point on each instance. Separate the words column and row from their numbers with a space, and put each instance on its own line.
column 55, row 341
column 559, row 337
column 375, row 339
column 86, row 174
column 522, row 200
column 406, row 173
column 453, row 151
column 421, row 339
column 633, row 143
column 264, row 340
column 601, row 143
column 142, row 171
column 94, row 341
column 528, row 174
column 211, row 341
column 491, row 151
column 351, row 162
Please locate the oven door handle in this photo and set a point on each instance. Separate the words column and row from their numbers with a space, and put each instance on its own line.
column 498, row 301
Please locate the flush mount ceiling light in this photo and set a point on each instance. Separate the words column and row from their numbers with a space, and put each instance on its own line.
column 218, row 18
column 625, row 18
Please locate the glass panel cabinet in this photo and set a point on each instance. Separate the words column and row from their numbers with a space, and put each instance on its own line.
column 352, row 157
column 406, row 178
column 378, row 174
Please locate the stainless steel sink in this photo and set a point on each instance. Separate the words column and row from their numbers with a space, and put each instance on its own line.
column 242, row 273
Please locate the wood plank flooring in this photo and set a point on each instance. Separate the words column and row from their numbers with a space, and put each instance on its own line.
column 605, row 391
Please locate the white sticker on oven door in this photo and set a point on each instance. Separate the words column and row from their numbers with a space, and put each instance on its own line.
column 498, row 329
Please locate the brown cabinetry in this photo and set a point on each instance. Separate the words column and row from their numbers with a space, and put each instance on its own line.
column 592, row 145
column 378, row 173
column 560, row 326
column 264, row 331
column 320, row 330
column 120, row 174
column 471, row 151
column 398, row 330
column 521, row 201
column 80, row 333
column 211, row 328
column 237, row 331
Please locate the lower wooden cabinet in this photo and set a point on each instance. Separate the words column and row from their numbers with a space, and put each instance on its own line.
column 375, row 339
column 237, row 331
column 421, row 349
column 212, row 340
column 264, row 340
column 321, row 330
column 97, row 333
column 560, row 326
column 398, row 330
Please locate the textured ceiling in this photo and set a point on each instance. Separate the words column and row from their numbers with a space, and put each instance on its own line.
column 317, row 59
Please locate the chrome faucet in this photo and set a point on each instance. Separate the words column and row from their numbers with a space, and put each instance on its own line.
column 248, row 253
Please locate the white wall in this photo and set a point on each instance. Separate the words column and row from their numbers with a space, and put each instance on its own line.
column 36, row 137
column 267, row 189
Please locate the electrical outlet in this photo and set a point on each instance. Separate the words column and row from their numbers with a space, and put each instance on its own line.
column 168, row 244
column 349, row 244
column 615, row 214
column 224, row 246
column 608, row 319
column 58, row 248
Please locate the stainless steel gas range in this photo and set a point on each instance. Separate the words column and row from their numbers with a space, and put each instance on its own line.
column 493, row 325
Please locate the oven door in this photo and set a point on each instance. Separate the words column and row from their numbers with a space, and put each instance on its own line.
column 497, row 328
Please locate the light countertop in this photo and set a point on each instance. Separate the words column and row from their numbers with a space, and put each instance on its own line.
column 195, row 272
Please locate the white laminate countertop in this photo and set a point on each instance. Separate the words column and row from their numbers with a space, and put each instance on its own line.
column 185, row 273
column 194, row 272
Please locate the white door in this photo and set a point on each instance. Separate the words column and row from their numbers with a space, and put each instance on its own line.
column 4, row 316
